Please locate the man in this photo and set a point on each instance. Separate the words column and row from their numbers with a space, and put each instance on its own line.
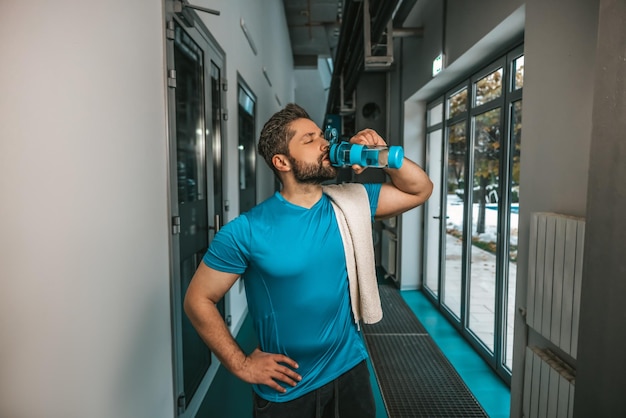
column 290, row 252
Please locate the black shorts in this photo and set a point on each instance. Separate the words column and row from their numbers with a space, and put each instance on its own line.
column 348, row 396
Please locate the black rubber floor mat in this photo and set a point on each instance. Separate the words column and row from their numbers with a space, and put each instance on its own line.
column 415, row 378
column 397, row 316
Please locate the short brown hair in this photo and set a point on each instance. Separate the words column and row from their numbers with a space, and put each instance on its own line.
column 275, row 135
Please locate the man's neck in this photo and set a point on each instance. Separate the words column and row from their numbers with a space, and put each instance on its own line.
column 304, row 195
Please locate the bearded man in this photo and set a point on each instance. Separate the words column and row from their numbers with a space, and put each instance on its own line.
column 291, row 254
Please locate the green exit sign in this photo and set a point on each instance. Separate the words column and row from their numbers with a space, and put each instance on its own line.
column 437, row 64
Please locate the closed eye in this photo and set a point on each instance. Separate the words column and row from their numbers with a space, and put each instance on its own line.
column 312, row 137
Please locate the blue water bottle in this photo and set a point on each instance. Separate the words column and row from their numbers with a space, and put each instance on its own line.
column 344, row 154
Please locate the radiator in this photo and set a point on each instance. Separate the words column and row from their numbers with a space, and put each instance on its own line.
column 388, row 253
column 548, row 385
column 554, row 278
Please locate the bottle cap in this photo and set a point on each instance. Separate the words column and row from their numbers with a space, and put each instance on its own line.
column 337, row 154
column 396, row 156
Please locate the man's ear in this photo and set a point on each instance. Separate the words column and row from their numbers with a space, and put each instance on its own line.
column 281, row 162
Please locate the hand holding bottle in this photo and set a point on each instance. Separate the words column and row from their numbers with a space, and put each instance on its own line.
column 365, row 149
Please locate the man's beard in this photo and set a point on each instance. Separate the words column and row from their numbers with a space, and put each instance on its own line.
column 312, row 173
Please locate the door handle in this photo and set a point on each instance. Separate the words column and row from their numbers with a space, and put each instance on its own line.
column 216, row 222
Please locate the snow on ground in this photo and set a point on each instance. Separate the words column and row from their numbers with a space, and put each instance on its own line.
column 455, row 219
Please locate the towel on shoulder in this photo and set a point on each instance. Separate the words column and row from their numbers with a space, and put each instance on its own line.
column 351, row 205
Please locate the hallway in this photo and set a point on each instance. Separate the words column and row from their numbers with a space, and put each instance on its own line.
column 90, row 318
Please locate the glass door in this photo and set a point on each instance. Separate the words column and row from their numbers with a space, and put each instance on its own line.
column 432, row 207
column 194, row 192
column 516, row 63
column 455, row 197
column 471, row 275
column 194, row 107
column 484, row 227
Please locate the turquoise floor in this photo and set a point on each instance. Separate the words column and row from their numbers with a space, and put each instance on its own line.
column 490, row 391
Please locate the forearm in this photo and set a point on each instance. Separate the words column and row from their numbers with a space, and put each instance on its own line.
column 411, row 179
column 211, row 327
column 409, row 187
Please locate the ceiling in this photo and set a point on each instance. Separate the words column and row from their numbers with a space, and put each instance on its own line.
column 335, row 29
column 314, row 27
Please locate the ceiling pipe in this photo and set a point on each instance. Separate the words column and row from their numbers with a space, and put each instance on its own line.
column 381, row 13
column 350, row 53
column 348, row 38
column 381, row 16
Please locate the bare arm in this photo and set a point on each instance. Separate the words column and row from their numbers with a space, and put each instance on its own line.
column 409, row 185
column 207, row 287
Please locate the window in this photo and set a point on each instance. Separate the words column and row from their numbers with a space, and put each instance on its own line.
column 246, row 149
column 474, row 151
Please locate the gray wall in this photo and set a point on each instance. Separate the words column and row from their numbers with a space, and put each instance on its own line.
column 84, row 299
column 560, row 48
column 467, row 22
column 601, row 359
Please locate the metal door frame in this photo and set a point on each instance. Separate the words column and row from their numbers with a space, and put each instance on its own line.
column 212, row 54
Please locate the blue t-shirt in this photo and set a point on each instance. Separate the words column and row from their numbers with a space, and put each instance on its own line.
column 294, row 269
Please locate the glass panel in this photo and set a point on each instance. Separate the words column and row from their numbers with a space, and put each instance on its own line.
column 516, row 136
column 435, row 115
column 247, row 156
column 488, row 88
column 433, row 212
column 216, row 137
column 246, row 103
column 485, row 209
column 518, row 70
column 216, row 160
column 192, row 192
column 189, row 121
column 457, row 103
column 453, row 247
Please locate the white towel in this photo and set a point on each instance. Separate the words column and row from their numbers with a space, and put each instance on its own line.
column 352, row 208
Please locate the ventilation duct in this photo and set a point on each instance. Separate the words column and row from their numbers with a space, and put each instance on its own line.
column 350, row 55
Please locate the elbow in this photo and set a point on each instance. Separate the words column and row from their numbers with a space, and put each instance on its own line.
column 190, row 303
column 424, row 194
column 428, row 190
column 187, row 305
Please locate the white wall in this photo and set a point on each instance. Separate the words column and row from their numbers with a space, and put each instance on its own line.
column 411, row 225
column 84, row 256
column 84, row 300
